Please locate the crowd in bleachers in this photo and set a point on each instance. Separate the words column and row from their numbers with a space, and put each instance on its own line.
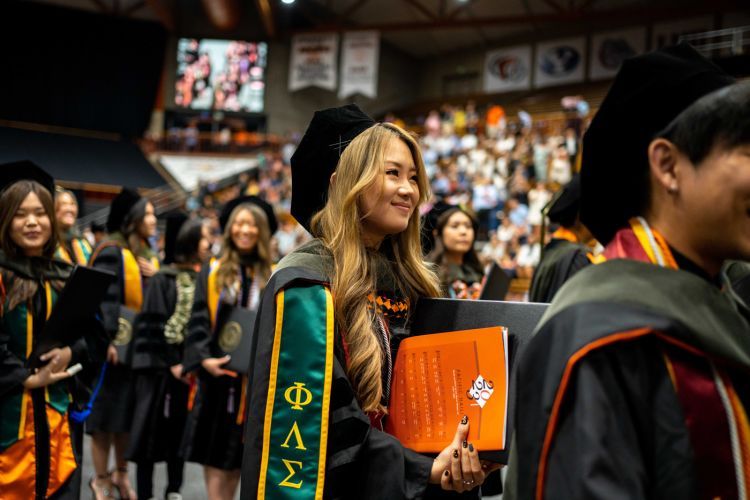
column 505, row 169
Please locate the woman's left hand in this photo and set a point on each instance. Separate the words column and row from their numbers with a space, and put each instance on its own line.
column 147, row 267
column 58, row 358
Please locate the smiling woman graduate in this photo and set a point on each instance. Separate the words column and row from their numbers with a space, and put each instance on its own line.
column 644, row 391
column 36, row 454
column 331, row 319
column 213, row 435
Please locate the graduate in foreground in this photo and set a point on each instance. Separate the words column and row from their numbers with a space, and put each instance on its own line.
column 37, row 455
column 644, row 391
column 331, row 318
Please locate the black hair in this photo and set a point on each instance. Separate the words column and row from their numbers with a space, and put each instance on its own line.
column 134, row 217
column 721, row 118
column 188, row 241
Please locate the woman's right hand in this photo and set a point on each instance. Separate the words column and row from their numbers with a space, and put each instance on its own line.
column 458, row 468
column 44, row 377
column 112, row 358
column 214, row 366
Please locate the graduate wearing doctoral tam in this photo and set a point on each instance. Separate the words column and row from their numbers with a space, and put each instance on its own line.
column 646, row 358
column 299, row 387
column 159, row 331
column 317, row 156
column 112, row 410
column 565, row 254
column 37, row 455
column 213, row 435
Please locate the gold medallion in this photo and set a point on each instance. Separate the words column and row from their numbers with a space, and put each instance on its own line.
column 230, row 336
column 124, row 332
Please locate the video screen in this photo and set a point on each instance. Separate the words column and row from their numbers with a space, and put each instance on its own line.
column 221, row 75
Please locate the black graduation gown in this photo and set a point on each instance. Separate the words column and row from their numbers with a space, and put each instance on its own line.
column 160, row 400
column 14, row 371
column 605, row 408
column 113, row 408
column 212, row 435
column 362, row 461
column 561, row 260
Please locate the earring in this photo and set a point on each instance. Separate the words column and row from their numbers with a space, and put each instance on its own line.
column 672, row 189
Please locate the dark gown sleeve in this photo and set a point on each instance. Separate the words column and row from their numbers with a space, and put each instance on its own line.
column 12, row 369
column 356, row 449
column 198, row 341
column 150, row 349
column 621, row 421
column 110, row 259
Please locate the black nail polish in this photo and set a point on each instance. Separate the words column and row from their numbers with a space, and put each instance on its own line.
column 446, row 473
column 455, row 453
column 464, row 444
column 465, row 420
column 471, row 447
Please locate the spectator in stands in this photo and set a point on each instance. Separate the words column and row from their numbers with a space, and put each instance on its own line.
column 518, row 213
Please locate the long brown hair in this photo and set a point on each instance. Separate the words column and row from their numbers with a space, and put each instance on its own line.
column 230, row 260
column 339, row 227
column 23, row 289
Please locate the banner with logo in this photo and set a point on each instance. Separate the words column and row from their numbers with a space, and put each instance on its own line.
column 507, row 69
column 313, row 61
column 610, row 49
column 559, row 61
column 360, row 55
column 668, row 33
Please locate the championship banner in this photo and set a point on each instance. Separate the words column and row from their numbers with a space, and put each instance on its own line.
column 559, row 61
column 507, row 69
column 313, row 61
column 664, row 34
column 610, row 49
column 360, row 55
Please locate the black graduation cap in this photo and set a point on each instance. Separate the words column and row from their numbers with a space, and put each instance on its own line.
column 226, row 211
column 648, row 93
column 564, row 208
column 25, row 170
column 175, row 220
column 329, row 133
column 120, row 207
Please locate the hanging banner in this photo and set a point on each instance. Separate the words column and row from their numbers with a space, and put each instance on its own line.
column 668, row 33
column 360, row 55
column 507, row 69
column 610, row 49
column 313, row 61
column 559, row 61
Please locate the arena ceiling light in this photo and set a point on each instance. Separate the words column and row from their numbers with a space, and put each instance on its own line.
column 288, row 2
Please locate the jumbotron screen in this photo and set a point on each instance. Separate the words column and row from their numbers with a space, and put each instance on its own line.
column 221, row 75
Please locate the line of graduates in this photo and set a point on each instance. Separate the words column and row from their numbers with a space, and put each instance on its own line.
column 152, row 385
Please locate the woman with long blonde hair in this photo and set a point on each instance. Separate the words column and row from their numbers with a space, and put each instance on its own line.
column 213, row 436
column 331, row 320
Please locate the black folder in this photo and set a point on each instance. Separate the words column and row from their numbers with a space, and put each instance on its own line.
column 234, row 336
column 76, row 306
column 496, row 285
column 521, row 319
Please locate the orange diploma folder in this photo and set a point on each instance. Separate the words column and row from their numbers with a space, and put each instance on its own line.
column 441, row 377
